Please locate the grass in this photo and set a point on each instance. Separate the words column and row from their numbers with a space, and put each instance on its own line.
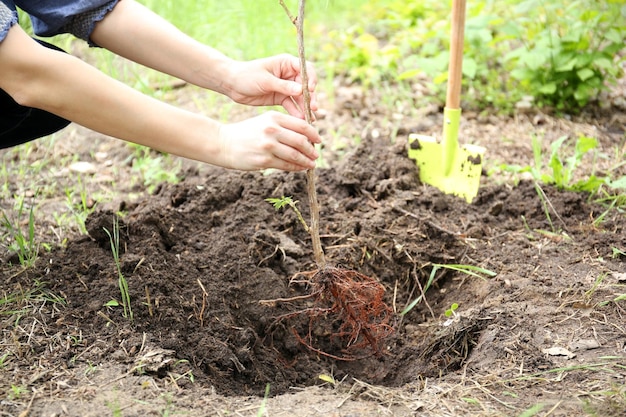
column 241, row 28
column 471, row 270
column 22, row 242
column 114, row 237
column 17, row 305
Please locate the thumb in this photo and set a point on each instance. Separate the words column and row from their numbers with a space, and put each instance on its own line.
column 288, row 88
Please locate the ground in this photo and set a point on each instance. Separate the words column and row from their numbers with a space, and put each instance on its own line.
column 208, row 261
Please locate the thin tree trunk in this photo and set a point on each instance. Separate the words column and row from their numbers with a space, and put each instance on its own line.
column 314, row 227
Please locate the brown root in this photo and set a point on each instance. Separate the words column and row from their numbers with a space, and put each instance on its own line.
column 347, row 307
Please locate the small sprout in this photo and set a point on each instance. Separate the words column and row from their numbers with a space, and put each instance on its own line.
column 617, row 253
column 451, row 311
column 282, row 202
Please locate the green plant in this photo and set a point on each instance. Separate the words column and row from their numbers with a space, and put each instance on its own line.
column 17, row 303
column 617, row 253
column 114, row 238
column 4, row 359
column 114, row 406
column 81, row 208
column 533, row 411
column 560, row 170
column 155, row 170
column 23, row 244
column 452, row 310
column 569, row 49
column 17, row 391
column 470, row 270
column 282, row 202
column 262, row 410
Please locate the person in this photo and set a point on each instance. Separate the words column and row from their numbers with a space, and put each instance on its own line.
column 42, row 88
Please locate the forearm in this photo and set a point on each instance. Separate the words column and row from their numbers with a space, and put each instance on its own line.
column 61, row 84
column 136, row 33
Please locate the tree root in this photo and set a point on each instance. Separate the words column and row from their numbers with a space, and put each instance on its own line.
column 347, row 306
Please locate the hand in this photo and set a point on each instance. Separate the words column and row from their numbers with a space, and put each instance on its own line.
column 272, row 81
column 271, row 140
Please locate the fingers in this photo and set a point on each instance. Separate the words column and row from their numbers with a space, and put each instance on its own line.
column 289, row 84
column 272, row 140
column 292, row 143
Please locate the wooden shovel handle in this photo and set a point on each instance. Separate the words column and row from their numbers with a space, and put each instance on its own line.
column 453, row 97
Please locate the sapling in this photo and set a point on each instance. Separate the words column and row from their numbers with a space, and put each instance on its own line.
column 314, row 228
column 350, row 304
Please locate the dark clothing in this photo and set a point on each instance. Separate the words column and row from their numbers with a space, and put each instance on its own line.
column 19, row 124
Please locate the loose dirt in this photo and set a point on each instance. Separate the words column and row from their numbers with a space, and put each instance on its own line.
column 547, row 330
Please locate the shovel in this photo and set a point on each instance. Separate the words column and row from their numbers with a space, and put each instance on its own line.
column 453, row 169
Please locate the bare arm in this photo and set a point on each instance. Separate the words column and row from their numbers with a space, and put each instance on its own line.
column 61, row 84
column 134, row 32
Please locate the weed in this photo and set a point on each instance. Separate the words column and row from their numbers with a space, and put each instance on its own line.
column 470, row 270
column 617, row 253
column 19, row 302
column 23, row 244
column 569, row 48
column 152, row 168
column 560, row 170
column 533, row 411
column 561, row 53
column 596, row 284
column 114, row 238
column 262, row 409
column 452, row 310
column 17, row 391
column 81, row 209
column 282, row 202
column 4, row 359
column 114, row 406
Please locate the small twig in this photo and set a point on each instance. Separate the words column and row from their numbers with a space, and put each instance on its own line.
column 104, row 316
column 26, row 412
column 148, row 301
column 204, row 297
column 291, row 17
column 272, row 303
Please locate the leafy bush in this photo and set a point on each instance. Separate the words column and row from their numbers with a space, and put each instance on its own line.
column 569, row 49
column 563, row 53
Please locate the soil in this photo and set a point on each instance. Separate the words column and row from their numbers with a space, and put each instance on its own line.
column 218, row 282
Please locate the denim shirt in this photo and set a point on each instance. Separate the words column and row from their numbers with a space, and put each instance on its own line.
column 52, row 17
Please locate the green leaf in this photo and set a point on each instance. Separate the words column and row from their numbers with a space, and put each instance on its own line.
column 469, row 68
column 567, row 66
column 584, row 74
column 548, row 89
column 619, row 183
column 603, row 63
column 614, row 36
column 409, row 74
column 585, row 144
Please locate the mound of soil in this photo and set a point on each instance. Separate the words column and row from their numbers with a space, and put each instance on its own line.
column 200, row 256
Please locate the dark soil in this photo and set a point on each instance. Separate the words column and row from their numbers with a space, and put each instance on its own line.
column 201, row 255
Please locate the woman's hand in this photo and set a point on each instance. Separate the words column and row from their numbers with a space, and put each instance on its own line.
column 271, row 140
column 276, row 80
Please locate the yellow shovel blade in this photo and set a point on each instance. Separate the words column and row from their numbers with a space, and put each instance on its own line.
column 465, row 166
